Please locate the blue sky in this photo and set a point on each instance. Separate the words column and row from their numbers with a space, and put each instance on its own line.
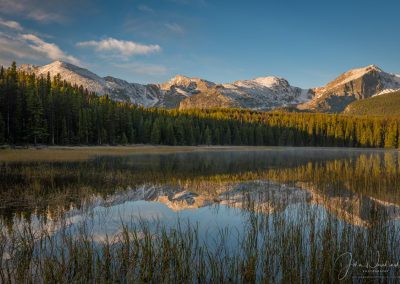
column 307, row 42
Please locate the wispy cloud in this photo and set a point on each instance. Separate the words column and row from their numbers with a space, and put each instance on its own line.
column 50, row 50
column 121, row 47
column 145, row 8
column 32, row 9
column 46, row 17
column 11, row 24
column 14, row 47
column 174, row 27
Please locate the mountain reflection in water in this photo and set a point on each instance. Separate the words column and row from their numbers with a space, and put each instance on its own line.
column 353, row 185
column 226, row 216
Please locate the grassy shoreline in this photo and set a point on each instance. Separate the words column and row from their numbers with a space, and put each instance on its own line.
column 81, row 153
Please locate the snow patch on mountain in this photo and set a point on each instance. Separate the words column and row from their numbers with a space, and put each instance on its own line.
column 266, row 92
column 118, row 89
column 388, row 82
column 262, row 93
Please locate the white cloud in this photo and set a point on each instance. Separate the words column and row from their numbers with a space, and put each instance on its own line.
column 13, row 47
column 11, row 24
column 122, row 47
column 175, row 28
column 50, row 50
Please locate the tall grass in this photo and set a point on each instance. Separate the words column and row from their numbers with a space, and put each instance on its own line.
column 297, row 241
column 302, row 245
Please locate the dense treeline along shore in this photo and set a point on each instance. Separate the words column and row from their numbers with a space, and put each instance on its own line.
column 52, row 111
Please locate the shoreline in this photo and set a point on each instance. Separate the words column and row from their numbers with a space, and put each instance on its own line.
column 81, row 153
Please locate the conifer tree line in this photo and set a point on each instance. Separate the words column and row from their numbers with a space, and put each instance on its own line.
column 52, row 111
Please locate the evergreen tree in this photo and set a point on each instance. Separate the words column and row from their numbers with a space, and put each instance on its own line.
column 259, row 136
column 2, row 128
column 237, row 140
column 228, row 136
column 124, row 139
column 50, row 110
column 290, row 138
column 169, row 133
column 64, row 132
column 207, row 136
column 391, row 135
column 36, row 128
column 155, row 136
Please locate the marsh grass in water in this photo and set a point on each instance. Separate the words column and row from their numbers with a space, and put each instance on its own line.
column 271, row 248
column 316, row 216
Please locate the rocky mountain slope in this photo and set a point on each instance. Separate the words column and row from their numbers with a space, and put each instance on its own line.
column 262, row 93
column 356, row 84
column 167, row 94
column 146, row 95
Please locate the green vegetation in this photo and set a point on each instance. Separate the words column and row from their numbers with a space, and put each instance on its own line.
column 382, row 105
column 51, row 111
column 299, row 242
column 272, row 249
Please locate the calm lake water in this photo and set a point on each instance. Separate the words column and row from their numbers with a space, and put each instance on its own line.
column 312, row 211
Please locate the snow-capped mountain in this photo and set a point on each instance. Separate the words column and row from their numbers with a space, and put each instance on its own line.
column 186, row 86
column 179, row 88
column 167, row 94
column 118, row 89
column 263, row 93
column 267, row 92
column 260, row 93
column 355, row 84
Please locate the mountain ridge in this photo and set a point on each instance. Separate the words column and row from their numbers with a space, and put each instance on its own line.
column 260, row 93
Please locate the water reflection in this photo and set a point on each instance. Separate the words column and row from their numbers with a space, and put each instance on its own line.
column 351, row 184
column 316, row 202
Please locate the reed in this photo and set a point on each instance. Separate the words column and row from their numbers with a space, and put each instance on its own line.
column 272, row 248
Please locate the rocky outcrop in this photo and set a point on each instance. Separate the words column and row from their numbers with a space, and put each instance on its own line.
column 208, row 99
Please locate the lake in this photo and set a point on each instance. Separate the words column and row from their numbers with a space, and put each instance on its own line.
column 277, row 214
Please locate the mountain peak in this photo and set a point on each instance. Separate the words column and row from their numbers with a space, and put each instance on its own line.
column 186, row 82
column 354, row 74
column 179, row 77
column 264, row 82
column 374, row 67
column 182, row 80
column 60, row 63
column 270, row 81
column 355, row 84
column 64, row 64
